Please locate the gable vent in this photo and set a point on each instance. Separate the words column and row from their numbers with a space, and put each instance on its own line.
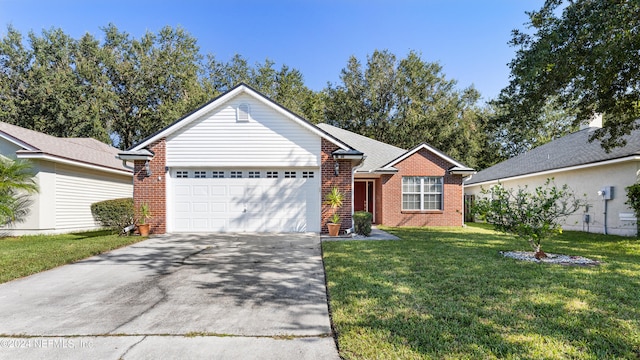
column 242, row 113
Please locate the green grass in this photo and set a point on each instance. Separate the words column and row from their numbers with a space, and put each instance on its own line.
column 26, row 255
column 447, row 293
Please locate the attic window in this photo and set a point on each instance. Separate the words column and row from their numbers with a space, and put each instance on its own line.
column 242, row 113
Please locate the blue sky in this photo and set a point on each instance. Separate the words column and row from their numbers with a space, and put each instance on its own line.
column 467, row 37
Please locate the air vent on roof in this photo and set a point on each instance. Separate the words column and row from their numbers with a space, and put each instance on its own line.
column 242, row 113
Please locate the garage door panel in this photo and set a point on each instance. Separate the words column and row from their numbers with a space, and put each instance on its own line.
column 200, row 207
column 200, row 190
column 245, row 204
column 182, row 190
column 218, row 190
column 181, row 207
column 218, row 207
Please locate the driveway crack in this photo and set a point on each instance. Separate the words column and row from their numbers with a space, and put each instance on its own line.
column 121, row 357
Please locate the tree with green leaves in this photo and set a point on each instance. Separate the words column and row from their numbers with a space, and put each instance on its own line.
column 531, row 215
column 406, row 102
column 153, row 81
column 633, row 200
column 512, row 138
column 583, row 54
column 16, row 185
column 284, row 86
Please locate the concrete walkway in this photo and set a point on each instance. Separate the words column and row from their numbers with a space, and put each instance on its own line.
column 215, row 297
column 376, row 234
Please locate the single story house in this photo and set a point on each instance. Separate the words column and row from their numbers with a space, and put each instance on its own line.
column 586, row 168
column 243, row 163
column 71, row 173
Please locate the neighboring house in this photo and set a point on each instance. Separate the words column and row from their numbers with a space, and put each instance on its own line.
column 586, row 168
column 71, row 173
column 243, row 163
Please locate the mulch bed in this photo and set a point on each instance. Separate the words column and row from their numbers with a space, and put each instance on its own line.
column 551, row 258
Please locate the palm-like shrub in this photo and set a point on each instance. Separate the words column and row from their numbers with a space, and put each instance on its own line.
column 16, row 185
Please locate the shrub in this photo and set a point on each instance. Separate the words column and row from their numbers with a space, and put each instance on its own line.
column 532, row 215
column 362, row 222
column 114, row 214
column 633, row 200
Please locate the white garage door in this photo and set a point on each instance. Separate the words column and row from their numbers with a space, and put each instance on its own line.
column 260, row 200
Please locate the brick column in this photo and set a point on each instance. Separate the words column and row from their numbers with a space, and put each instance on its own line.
column 342, row 181
column 151, row 190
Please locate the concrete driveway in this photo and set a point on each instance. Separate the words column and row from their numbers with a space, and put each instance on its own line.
column 176, row 296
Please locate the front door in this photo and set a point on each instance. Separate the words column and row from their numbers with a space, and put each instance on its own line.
column 363, row 195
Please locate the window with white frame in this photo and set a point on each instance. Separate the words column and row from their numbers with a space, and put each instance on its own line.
column 307, row 174
column 217, row 174
column 182, row 174
column 289, row 174
column 272, row 174
column 254, row 174
column 199, row 174
column 422, row 193
column 236, row 174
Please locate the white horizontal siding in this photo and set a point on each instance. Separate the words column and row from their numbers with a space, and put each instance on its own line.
column 267, row 139
column 77, row 189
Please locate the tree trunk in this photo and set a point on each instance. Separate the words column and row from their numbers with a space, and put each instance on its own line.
column 539, row 254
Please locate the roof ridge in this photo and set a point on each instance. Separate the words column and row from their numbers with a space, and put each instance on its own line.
column 362, row 136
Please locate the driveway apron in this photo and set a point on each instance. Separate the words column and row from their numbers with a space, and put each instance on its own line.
column 176, row 296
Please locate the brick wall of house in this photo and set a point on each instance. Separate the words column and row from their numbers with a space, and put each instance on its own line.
column 342, row 181
column 152, row 189
column 422, row 163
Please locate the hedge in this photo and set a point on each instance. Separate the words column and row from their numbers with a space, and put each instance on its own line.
column 114, row 214
column 362, row 222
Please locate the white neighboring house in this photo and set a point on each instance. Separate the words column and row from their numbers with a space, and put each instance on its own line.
column 71, row 173
column 586, row 167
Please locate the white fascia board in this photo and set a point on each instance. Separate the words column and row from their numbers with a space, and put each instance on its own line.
column 226, row 97
column 41, row 156
column 559, row 170
column 17, row 141
column 428, row 148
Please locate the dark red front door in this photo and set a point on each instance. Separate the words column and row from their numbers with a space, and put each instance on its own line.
column 360, row 196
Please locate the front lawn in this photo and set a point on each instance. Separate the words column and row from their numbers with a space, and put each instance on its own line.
column 26, row 255
column 448, row 293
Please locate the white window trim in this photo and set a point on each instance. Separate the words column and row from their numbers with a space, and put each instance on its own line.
column 422, row 193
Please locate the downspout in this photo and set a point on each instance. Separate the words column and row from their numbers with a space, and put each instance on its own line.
column 605, row 215
column 353, row 173
column 124, row 164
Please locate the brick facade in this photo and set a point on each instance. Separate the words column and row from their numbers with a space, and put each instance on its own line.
column 152, row 189
column 343, row 181
column 422, row 163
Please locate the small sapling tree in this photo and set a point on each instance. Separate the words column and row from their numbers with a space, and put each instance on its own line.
column 633, row 200
column 531, row 215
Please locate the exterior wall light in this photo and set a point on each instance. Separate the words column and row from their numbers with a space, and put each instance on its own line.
column 147, row 168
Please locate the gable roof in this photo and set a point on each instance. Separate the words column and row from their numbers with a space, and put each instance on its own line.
column 568, row 152
column 377, row 153
column 237, row 90
column 381, row 157
column 84, row 152
column 457, row 166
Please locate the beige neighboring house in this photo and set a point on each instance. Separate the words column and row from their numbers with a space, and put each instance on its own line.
column 71, row 173
column 586, row 168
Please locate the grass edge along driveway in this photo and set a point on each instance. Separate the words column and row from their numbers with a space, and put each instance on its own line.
column 27, row 255
column 447, row 293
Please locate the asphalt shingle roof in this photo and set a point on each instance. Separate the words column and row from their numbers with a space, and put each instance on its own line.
column 571, row 150
column 85, row 150
column 377, row 153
